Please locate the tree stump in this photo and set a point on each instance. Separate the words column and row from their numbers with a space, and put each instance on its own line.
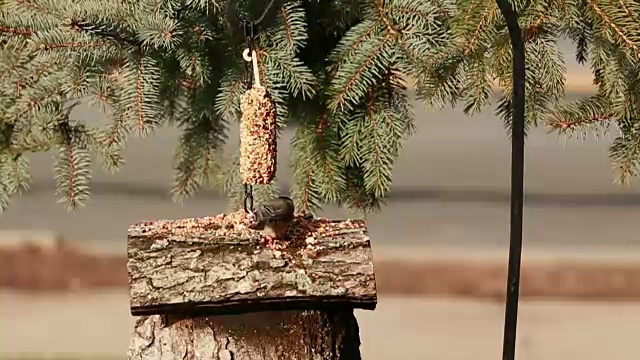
column 210, row 288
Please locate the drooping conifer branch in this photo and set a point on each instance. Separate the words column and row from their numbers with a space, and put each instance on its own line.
column 335, row 69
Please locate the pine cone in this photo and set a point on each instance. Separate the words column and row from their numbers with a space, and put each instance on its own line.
column 258, row 137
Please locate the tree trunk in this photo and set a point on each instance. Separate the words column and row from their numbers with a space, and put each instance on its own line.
column 269, row 335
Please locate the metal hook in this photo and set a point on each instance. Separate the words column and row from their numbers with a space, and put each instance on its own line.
column 236, row 18
column 251, row 56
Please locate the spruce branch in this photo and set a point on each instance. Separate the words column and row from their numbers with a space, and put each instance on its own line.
column 117, row 131
column 140, row 93
column 534, row 29
column 290, row 31
column 625, row 153
column 353, row 40
column 478, row 90
column 388, row 111
column 378, row 149
column 613, row 23
column 586, row 112
column 16, row 175
column 159, row 32
column 111, row 141
column 107, row 31
column 13, row 55
column 211, row 7
column 545, row 85
column 194, row 168
column 33, row 100
column 440, row 82
column 15, row 31
column 5, row 196
column 356, row 197
column 486, row 19
column 72, row 43
column 410, row 13
column 40, row 70
column 228, row 99
column 276, row 86
column 337, row 68
column 73, row 175
column 291, row 72
column 624, row 7
column 73, row 166
column 581, row 36
column 27, row 15
column 317, row 167
column 614, row 76
column 353, row 79
column 32, row 5
column 194, row 65
column 197, row 160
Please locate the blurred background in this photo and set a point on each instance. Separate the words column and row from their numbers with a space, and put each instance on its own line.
column 450, row 200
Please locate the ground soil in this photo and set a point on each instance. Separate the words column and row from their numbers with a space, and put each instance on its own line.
column 64, row 267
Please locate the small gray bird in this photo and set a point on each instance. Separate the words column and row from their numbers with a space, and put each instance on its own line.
column 274, row 217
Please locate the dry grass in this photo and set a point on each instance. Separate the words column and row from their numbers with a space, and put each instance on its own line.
column 488, row 280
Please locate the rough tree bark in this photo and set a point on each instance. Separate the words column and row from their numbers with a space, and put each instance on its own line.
column 271, row 335
column 205, row 272
column 203, row 292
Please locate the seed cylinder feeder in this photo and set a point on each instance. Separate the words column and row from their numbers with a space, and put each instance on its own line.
column 258, row 131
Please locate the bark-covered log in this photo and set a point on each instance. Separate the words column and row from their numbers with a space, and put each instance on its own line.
column 299, row 335
column 217, row 265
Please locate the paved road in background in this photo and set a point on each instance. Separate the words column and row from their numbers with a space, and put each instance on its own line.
column 451, row 187
column 452, row 329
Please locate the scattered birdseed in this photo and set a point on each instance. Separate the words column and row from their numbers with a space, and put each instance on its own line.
column 303, row 233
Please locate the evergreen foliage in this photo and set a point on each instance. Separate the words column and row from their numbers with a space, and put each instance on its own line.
column 337, row 69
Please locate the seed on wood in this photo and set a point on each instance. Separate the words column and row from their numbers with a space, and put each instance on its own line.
column 303, row 231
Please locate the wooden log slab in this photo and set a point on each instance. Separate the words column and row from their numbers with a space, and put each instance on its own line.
column 216, row 265
column 272, row 335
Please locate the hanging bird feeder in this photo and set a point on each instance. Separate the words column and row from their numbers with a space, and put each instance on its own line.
column 258, row 128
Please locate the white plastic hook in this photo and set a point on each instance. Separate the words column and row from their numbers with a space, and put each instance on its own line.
column 253, row 58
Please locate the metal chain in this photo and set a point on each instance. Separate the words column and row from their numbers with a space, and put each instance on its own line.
column 249, row 35
column 248, row 198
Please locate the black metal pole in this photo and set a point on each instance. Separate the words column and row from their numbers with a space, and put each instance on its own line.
column 517, row 181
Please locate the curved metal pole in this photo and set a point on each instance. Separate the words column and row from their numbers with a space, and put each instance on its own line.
column 517, row 181
column 236, row 18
